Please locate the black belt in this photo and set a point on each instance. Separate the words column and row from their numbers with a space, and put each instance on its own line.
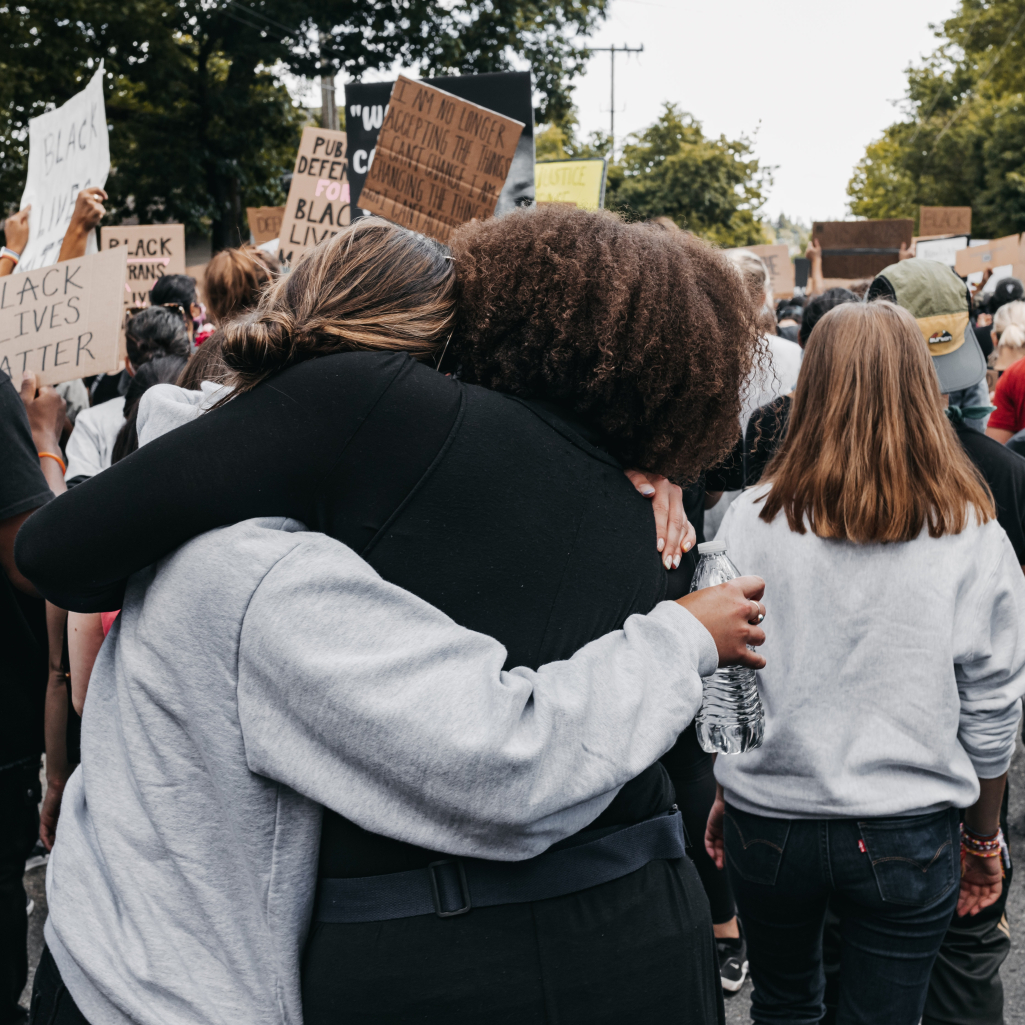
column 454, row 886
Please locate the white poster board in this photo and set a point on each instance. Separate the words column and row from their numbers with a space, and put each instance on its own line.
column 68, row 151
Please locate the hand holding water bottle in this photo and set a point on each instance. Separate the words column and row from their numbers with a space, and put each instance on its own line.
column 731, row 613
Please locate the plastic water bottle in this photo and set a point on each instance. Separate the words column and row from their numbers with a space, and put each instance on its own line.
column 731, row 719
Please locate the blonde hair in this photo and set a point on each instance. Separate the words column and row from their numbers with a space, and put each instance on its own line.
column 234, row 279
column 1009, row 324
column 869, row 455
column 755, row 275
column 373, row 286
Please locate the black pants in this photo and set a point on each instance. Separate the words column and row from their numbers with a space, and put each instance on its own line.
column 19, row 827
column 639, row 949
column 51, row 1002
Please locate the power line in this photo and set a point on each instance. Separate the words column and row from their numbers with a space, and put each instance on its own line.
column 612, row 51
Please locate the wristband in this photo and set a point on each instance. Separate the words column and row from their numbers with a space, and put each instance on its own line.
column 51, row 455
column 10, row 254
column 991, row 846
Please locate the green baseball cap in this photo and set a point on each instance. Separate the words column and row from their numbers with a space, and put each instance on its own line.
column 938, row 300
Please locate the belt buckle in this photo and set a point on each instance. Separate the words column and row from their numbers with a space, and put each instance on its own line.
column 436, row 893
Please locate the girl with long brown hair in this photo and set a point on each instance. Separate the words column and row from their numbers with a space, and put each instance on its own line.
column 600, row 345
column 892, row 687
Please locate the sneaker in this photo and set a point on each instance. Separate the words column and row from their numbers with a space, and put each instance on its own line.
column 30, row 907
column 39, row 856
column 732, row 963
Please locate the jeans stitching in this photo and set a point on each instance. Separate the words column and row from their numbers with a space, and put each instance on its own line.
column 912, row 861
column 745, row 844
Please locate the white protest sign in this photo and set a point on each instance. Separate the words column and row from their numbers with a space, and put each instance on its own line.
column 63, row 321
column 68, row 151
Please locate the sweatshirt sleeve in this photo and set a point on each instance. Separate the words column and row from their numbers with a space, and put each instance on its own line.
column 992, row 681
column 375, row 704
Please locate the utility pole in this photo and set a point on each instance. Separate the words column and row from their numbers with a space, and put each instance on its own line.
column 612, row 51
column 328, row 109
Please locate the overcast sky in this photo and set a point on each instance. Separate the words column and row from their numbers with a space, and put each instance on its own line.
column 810, row 83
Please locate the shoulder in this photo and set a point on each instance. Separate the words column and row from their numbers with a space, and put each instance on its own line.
column 1012, row 380
column 112, row 409
column 786, row 355
column 996, row 462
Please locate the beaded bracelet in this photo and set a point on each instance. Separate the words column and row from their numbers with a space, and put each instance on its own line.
column 982, row 846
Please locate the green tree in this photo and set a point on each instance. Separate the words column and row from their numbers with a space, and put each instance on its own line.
column 712, row 187
column 201, row 125
column 961, row 141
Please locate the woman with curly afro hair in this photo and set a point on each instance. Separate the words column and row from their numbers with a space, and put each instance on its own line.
column 641, row 331
column 600, row 345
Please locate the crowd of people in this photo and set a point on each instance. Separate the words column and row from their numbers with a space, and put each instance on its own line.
column 355, row 619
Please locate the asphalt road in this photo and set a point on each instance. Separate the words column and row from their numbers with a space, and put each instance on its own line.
column 738, row 1006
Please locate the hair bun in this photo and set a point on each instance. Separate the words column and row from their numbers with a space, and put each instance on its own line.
column 257, row 345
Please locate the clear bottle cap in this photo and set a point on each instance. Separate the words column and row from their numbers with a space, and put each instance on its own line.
column 711, row 547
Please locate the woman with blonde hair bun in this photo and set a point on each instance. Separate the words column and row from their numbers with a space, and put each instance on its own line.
column 892, row 687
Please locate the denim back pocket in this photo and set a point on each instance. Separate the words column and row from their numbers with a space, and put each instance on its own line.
column 755, row 844
column 915, row 859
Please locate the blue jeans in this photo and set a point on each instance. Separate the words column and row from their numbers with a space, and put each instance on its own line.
column 892, row 882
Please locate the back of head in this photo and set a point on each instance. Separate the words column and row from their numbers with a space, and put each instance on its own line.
column 205, row 364
column 374, row 286
column 1006, row 290
column 162, row 370
column 234, row 280
column 869, row 455
column 1008, row 314
column 645, row 333
column 174, row 288
column 156, row 331
column 818, row 307
column 758, row 283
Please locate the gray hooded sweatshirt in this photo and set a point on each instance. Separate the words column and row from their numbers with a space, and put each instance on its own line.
column 261, row 672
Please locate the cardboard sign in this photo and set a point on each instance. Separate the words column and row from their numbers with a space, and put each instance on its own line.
column 860, row 249
column 318, row 198
column 781, row 269
column 63, row 321
column 153, row 251
column 265, row 222
column 440, row 160
column 944, row 220
column 580, row 182
column 507, row 92
column 68, row 151
column 993, row 254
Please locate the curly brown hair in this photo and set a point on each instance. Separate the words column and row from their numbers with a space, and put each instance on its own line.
column 645, row 333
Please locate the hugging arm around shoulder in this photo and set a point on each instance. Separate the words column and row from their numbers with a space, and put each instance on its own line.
column 373, row 703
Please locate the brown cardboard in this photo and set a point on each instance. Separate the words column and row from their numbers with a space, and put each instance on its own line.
column 944, row 220
column 265, row 222
column 64, row 321
column 860, row 249
column 781, row 268
column 198, row 271
column 318, row 198
column 440, row 160
column 153, row 251
column 994, row 254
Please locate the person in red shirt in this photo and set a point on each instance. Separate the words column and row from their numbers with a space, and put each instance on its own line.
column 1009, row 398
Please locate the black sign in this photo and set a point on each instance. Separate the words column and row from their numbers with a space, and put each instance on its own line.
column 506, row 92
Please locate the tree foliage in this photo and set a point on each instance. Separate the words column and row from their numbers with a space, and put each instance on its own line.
column 201, row 125
column 712, row 187
column 962, row 139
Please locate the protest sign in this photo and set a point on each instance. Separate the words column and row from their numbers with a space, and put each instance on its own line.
column 318, row 198
column 153, row 250
column 580, row 182
column 63, row 321
column 860, row 249
column 506, row 92
column 265, row 222
column 994, row 254
column 440, row 160
column 68, row 151
column 942, row 250
column 781, row 269
column 944, row 220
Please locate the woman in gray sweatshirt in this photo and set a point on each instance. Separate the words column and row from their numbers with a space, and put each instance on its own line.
column 887, row 710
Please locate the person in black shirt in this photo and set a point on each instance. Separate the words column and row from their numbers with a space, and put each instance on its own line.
column 616, row 344
column 27, row 482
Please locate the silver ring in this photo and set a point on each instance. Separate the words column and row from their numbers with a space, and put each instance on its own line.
column 761, row 616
